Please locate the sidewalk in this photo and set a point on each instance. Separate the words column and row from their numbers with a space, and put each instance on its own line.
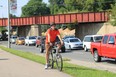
column 15, row 66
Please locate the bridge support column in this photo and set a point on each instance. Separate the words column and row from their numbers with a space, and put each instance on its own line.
column 35, row 30
column 88, row 29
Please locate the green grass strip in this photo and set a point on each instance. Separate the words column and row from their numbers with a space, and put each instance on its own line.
column 71, row 69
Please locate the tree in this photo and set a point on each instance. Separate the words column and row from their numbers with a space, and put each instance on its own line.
column 67, row 6
column 34, row 8
column 113, row 15
column 13, row 16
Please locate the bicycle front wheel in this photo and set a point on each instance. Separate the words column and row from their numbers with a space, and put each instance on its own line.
column 59, row 62
column 51, row 62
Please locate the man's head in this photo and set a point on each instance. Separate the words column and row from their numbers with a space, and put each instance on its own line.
column 52, row 25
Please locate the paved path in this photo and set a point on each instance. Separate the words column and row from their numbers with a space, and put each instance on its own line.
column 15, row 66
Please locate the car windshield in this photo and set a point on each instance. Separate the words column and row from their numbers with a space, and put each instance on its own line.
column 38, row 38
column 21, row 38
column 32, row 37
column 74, row 40
column 97, row 38
column 69, row 37
column 14, row 37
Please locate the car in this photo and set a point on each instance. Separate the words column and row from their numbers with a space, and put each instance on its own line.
column 106, row 48
column 30, row 40
column 42, row 45
column 20, row 41
column 73, row 43
column 38, row 41
column 13, row 39
column 0, row 37
column 88, row 39
column 68, row 37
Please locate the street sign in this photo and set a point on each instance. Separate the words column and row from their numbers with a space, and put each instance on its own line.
column 13, row 6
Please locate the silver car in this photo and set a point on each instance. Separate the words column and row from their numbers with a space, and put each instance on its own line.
column 13, row 39
column 73, row 43
column 30, row 40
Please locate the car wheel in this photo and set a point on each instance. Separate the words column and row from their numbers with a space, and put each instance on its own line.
column 36, row 45
column 63, row 49
column 96, row 56
column 85, row 49
column 41, row 49
column 25, row 44
column 28, row 44
column 69, row 47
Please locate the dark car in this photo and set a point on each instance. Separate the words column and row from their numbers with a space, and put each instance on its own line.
column 0, row 37
column 41, row 45
column 40, row 42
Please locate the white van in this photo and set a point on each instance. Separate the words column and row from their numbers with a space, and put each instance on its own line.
column 88, row 39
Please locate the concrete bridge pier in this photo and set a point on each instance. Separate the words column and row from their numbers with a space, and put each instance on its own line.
column 32, row 30
column 83, row 29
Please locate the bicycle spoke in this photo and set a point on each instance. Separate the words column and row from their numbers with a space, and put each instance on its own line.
column 51, row 62
column 59, row 62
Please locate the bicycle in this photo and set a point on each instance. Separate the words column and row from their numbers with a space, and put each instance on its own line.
column 55, row 57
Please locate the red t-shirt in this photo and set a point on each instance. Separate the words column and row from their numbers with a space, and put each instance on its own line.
column 53, row 34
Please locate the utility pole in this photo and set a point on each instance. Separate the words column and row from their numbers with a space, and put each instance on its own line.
column 9, row 46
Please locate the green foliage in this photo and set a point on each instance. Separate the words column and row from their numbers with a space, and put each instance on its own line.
column 67, row 6
column 63, row 27
column 37, row 7
column 13, row 16
column 2, row 28
column 34, row 8
column 113, row 15
column 71, row 26
column 44, row 28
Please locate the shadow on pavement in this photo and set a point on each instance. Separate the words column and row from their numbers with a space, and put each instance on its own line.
column 4, row 58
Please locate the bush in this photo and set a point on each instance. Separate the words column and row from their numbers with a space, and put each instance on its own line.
column 71, row 26
column 63, row 27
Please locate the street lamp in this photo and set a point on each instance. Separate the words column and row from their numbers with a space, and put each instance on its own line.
column 9, row 46
column 2, row 13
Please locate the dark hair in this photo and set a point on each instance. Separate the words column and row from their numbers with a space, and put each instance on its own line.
column 51, row 24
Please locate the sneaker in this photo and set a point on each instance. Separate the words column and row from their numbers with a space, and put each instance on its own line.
column 46, row 66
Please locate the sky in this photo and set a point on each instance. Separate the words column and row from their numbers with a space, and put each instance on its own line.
column 20, row 3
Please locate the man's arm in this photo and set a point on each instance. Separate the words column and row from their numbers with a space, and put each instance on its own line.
column 48, row 38
column 48, row 35
column 60, row 39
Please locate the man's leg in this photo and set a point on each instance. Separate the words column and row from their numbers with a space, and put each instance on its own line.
column 47, row 47
column 47, row 52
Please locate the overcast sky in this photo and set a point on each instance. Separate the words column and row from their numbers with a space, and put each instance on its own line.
column 20, row 3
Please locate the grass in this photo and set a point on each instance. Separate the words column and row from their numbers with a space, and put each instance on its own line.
column 71, row 69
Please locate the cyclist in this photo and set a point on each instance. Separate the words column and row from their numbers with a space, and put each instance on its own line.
column 51, row 35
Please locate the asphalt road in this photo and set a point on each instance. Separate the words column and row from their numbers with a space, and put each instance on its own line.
column 73, row 54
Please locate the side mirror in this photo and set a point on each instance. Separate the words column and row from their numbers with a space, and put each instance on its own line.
column 111, row 42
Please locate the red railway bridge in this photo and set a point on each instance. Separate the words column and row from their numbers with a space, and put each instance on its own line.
column 25, row 24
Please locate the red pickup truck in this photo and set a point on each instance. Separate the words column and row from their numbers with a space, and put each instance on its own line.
column 104, row 48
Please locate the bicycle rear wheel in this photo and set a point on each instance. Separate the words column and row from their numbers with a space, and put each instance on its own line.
column 51, row 62
column 59, row 62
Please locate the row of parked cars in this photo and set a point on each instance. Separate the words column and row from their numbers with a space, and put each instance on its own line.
column 70, row 42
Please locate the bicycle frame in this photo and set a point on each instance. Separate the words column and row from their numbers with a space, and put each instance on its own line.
column 56, row 57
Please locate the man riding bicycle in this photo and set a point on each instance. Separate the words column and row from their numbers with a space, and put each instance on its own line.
column 51, row 35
